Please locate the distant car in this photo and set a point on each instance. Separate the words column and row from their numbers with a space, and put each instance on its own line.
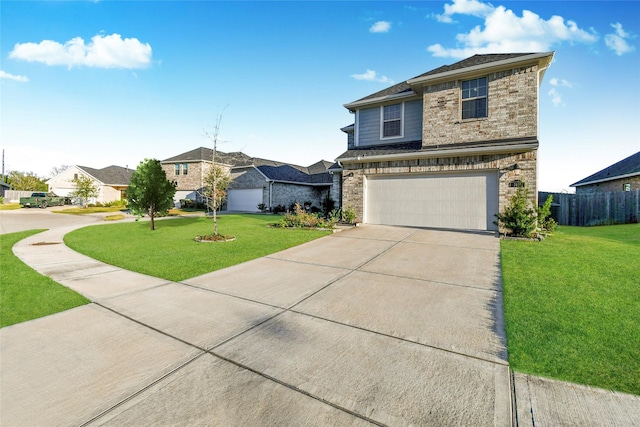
column 42, row 200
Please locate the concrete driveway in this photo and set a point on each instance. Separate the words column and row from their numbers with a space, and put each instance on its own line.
column 372, row 325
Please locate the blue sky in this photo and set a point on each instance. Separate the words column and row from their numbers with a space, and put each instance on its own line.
column 97, row 83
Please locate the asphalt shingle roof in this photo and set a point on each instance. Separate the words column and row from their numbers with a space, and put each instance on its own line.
column 111, row 175
column 465, row 63
column 628, row 166
column 278, row 171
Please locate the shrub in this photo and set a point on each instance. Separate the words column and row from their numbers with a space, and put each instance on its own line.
column 262, row 207
column 349, row 215
column 328, row 205
column 301, row 219
column 545, row 222
column 519, row 217
column 279, row 209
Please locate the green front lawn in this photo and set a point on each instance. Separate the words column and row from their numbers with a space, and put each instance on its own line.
column 24, row 293
column 170, row 251
column 572, row 305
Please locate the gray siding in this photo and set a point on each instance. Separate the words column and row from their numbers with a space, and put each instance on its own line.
column 369, row 125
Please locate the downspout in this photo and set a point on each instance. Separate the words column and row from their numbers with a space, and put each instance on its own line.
column 539, row 82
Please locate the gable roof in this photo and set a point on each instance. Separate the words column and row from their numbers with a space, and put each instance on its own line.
column 317, row 173
column 624, row 168
column 111, row 175
column 410, row 87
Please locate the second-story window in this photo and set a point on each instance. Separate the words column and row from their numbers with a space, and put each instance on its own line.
column 185, row 168
column 474, row 98
column 392, row 121
column 177, row 168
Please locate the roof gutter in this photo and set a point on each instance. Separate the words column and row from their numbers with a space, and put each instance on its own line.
column 477, row 68
column 613, row 178
column 387, row 98
column 450, row 152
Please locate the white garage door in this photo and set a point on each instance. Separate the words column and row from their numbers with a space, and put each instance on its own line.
column 246, row 200
column 465, row 201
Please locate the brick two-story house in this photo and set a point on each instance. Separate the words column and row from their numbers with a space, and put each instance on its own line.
column 254, row 181
column 447, row 148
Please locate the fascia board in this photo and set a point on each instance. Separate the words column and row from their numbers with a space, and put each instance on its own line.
column 449, row 152
column 381, row 100
column 266, row 178
column 312, row 184
column 612, row 178
column 89, row 175
column 434, row 78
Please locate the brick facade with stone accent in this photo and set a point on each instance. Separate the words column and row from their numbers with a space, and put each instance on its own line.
column 512, row 110
column 353, row 187
column 505, row 141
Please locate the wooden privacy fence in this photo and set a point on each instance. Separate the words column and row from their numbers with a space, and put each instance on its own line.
column 620, row 207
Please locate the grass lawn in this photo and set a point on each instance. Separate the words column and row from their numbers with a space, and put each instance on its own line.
column 572, row 305
column 170, row 251
column 24, row 293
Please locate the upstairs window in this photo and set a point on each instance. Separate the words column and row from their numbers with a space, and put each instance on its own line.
column 392, row 121
column 474, row 98
column 177, row 168
column 185, row 168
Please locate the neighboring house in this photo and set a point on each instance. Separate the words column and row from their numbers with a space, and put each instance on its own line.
column 255, row 181
column 621, row 176
column 111, row 182
column 3, row 188
column 447, row 148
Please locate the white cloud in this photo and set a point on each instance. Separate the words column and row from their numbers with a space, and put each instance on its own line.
column 560, row 82
column 110, row 51
column 504, row 31
column 556, row 98
column 5, row 75
column 380, row 27
column 372, row 76
column 464, row 7
column 617, row 41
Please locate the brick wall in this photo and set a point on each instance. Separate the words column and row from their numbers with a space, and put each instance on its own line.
column 285, row 194
column 610, row 186
column 512, row 110
column 353, row 187
column 194, row 179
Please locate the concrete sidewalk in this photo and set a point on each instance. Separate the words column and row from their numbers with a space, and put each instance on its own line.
column 372, row 325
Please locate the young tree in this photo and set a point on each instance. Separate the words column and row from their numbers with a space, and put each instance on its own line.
column 216, row 183
column 26, row 181
column 85, row 189
column 149, row 189
column 213, row 137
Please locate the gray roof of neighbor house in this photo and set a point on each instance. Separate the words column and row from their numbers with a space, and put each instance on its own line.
column 474, row 61
column 623, row 169
column 273, row 170
column 111, row 175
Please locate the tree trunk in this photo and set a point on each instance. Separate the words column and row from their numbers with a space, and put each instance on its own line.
column 151, row 215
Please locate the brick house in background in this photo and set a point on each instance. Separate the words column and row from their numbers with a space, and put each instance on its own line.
column 255, row 181
column 447, row 148
column 621, row 176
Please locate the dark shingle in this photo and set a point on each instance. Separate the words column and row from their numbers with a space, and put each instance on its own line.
column 111, row 175
column 628, row 166
column 465, row 63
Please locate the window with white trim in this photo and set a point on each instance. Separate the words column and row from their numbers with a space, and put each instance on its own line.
column 474, row 98
column 185, row 168
column 177, row 168
column 391, row 121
